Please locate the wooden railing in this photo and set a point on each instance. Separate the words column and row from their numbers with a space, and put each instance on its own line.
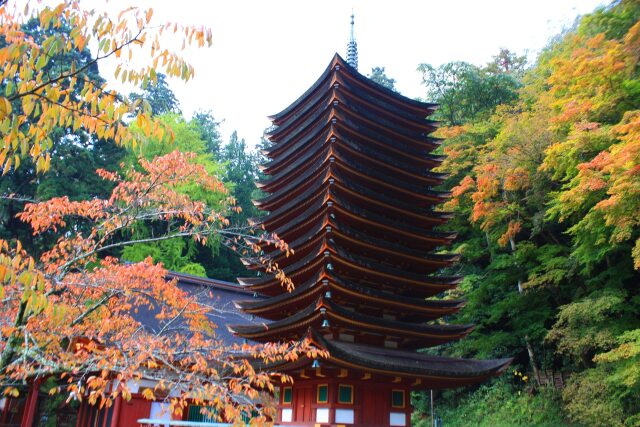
column 550, row 378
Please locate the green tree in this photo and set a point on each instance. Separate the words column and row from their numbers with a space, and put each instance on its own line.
column 209, row 131
column 157, row 97
column 379, row 76
column 182, row 255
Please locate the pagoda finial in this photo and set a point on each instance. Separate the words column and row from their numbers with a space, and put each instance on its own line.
column 352, row 48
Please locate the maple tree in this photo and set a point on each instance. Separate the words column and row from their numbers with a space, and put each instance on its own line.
column 38, row 98
column 73, row 311
column 545, row 187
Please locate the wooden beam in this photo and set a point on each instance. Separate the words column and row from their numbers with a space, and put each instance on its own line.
column 302, row 375
column 417, row 382
column 366, row 376
column 343, row 373
column 30, row 405
column 319, row 373
column 397, row 380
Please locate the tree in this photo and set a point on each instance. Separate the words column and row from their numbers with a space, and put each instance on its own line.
column 76, row 154
column 70, row 311
column 209, row 132
column 467, row 92
column 157, row 97
column 545, row 188
column 47, row 98
column 241, row 170
column 379, row 76
column 177, row 254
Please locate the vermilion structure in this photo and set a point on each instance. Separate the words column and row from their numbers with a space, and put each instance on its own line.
column 350, row 189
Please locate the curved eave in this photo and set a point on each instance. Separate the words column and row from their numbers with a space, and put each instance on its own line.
column 274, row 308
column 385, row 204
column 282, row 115
column 316, row 213
column 438, row 372
column 351, row 237
column 334, row 160
column 283, row 172
column 380, row 274
column 366, row 83
column 304, row 118
column 342, row 319
column 399, row 99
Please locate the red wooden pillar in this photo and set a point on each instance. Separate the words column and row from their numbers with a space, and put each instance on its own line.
column 117, row 405
column 31, row 405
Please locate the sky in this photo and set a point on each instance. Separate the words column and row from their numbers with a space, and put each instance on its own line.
column 267, row 53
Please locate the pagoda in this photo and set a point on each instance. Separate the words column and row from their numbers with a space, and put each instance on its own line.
column 350, row 190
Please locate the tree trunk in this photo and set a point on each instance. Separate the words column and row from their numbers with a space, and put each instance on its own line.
column 532, row 358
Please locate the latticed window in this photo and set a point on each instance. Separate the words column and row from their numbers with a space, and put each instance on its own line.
column 198, row 413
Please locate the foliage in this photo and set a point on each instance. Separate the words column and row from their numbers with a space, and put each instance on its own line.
column 177, row 255
column 208, row 128
column 241, row 170
column 156, row 97
column 497, row 404
column 544, row 176
column 37, row 99
column 379, row 76
column 467, row 92
column 72, row 311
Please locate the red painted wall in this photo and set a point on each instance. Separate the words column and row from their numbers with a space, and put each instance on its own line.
column 371, row 402
column 132, row 411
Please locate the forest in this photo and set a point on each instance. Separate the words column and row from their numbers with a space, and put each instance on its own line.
column 543, row 162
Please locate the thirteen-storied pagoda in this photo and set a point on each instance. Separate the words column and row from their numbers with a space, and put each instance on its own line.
column 351, row 191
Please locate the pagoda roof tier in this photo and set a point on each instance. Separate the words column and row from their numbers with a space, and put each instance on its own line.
column 369, row 271
column 370, row 128
column 351, row 169
column 355, row 194
column 317, row 216
column 370, row 299
column 369, row 199
column 360, row 151
column 339, row 87
column 416, row 129
column 371, row 141
column 325, row 249
column 341, row 320
column 391, row 98
column 436, row 372
column 362, row 242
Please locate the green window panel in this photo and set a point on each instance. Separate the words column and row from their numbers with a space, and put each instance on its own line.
column 287, row 395
column 397, row 398
column 345, row 394
column 323, row 393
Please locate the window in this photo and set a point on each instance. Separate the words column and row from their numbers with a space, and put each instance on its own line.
column 397, row 398
column 322, row 415
column 287, row 395
column 398, row 419
column 345, row 394
column 201, row 413
column 322, row 395
column 344, row 416
column 287, row 415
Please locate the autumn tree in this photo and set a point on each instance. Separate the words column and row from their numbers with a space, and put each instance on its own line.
column 70, row 311
column 545, row 188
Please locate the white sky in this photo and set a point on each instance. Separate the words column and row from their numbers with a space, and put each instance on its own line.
column 267, row 53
